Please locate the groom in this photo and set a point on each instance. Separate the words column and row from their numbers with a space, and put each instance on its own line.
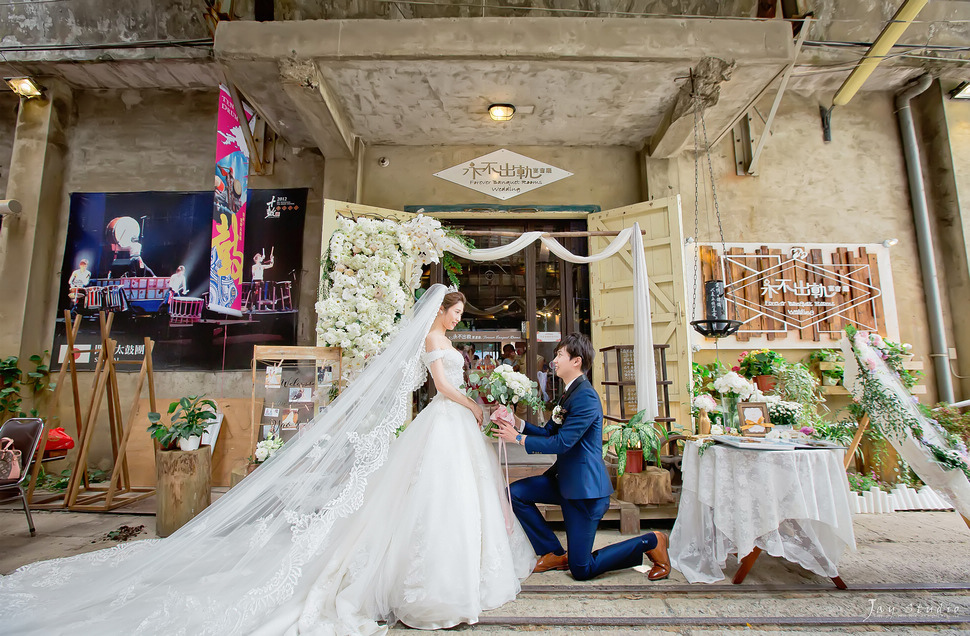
column 577, row 482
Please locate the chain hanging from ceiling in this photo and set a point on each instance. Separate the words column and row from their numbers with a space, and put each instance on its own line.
column 715, row 323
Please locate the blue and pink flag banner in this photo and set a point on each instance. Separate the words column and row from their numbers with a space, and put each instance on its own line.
column 229, row 210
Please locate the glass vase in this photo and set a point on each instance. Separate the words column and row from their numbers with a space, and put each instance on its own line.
column 729, row 413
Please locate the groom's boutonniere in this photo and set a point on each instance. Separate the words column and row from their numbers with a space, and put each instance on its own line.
column 558, row 414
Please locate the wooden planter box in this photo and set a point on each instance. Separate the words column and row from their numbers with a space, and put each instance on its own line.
column 184, row 487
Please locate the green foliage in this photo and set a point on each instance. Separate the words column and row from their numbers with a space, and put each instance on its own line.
column 13, row 381
column 760, row 362
column 190, row 417
column 449, row 263
column 828, row 355
column 863, row 483
column 952, row 421
column 703, row 376
column 640, row 433
column 796, row 383
column 47, row 481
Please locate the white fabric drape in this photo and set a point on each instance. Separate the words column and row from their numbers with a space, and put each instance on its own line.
column 951, row 485
column 645, row 371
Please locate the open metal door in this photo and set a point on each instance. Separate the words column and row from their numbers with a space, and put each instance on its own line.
column 611, row 291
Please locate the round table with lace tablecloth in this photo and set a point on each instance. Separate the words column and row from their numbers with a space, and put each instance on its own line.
column 791, row 504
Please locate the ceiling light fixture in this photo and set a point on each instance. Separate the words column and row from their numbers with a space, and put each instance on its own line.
column 961, row 92
column 890, row 242
column 501, row 112
column 25, row 87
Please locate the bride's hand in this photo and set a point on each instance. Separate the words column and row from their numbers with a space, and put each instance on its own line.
column 477, row 412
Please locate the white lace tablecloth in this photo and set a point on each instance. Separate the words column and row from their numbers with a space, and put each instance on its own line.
column 791, row 504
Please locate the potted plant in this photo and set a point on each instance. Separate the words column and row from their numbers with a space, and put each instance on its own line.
column 760, row 366
column 633, row 440
column 190, row 417
column 183, row 468
column 830, row 365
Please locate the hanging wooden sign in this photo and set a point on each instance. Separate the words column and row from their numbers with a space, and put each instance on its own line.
column 800, row 296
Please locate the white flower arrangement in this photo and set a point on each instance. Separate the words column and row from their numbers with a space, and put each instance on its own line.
column 705, row 402
column 784, row 413
column 364, row 296
column 507, row 387
column 558, row 414
column 732, row 384
column 266, row 449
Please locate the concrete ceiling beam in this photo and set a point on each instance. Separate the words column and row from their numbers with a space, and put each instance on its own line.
column 320, row 111
column 704, row 86
column 616, row 39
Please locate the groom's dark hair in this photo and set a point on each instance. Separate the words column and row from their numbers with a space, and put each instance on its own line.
column 578, row 346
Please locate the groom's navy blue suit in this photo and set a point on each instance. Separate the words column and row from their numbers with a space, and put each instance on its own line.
column 578, row 483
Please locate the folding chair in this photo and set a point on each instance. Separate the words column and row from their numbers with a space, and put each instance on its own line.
column 25, row 433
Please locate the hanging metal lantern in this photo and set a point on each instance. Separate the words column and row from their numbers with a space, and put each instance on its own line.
column 716, row 323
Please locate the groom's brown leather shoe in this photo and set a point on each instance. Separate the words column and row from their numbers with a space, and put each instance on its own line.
column 660, row 559
column 551, row 561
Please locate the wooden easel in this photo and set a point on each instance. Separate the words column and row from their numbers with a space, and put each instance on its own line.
column 80, row 494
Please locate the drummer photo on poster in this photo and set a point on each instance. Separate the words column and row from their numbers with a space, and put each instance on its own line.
column 145, row 257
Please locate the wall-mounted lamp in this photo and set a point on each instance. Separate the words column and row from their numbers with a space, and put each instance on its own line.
column 961, row 92
column 501, row 112
column 890, row 242
column 10, row 206
column 25, row 86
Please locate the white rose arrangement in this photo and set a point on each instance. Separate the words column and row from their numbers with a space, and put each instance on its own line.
column 364, row 294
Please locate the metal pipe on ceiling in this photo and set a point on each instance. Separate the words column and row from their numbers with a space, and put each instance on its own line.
column 883, row 44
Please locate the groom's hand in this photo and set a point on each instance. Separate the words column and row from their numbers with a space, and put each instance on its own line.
column 506, row 431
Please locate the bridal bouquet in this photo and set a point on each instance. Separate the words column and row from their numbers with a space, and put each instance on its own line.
column 506, row 387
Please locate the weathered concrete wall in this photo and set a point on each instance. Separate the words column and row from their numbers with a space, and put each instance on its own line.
column 852, row 190
column 100, row 22
column 125, row 141
column 608, row 177
column 8, row 125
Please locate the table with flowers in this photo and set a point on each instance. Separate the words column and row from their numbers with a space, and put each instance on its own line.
column 789, row 503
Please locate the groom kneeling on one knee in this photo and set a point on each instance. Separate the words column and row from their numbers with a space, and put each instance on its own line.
column 577, row 482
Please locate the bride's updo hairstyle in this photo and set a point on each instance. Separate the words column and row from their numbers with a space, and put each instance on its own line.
column 451, row 299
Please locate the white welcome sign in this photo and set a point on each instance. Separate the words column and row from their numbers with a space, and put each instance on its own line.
column 503, row 174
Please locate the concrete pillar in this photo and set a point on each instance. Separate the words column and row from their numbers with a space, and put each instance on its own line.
column 30, row 244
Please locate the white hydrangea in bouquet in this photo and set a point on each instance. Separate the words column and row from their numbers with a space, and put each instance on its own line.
column 506, row 387
column 705, row 402
column 733, row 385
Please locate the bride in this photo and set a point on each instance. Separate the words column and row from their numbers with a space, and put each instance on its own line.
column 344, row 528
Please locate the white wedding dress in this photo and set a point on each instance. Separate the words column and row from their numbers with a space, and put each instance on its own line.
column 430, row 547
column 344, row 528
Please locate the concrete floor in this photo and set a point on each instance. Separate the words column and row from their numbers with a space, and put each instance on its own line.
column 914, row 548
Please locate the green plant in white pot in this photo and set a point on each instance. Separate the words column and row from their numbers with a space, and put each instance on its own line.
column 190, row 417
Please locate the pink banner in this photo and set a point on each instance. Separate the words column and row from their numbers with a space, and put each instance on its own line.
column 229, row 211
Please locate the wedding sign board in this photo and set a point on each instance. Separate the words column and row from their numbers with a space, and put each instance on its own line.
column 799, row 296
column 503, row 174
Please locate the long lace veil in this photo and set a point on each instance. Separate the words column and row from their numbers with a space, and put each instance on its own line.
column 257, row 547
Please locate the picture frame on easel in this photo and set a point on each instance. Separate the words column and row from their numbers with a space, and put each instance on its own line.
column 754, row 419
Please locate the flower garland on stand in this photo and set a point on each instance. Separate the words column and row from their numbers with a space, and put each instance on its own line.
column 892, row 414
column 364, row 293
